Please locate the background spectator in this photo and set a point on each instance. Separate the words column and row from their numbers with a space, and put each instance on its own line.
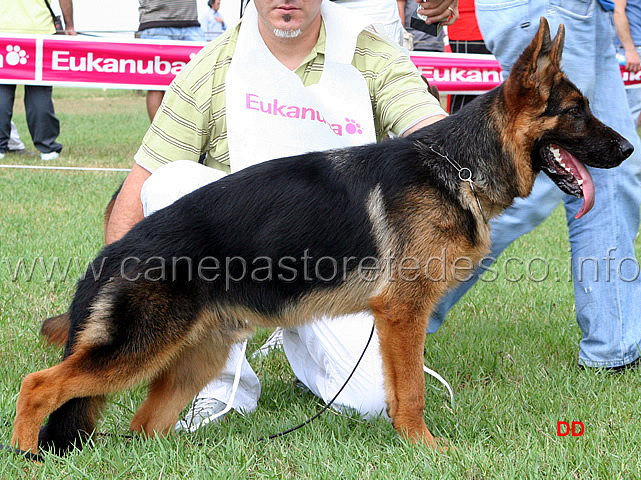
column 465, row 37
column 212, row 23
column 33, row 16
column 421, row 40
column 167, row 20
column 627, row 20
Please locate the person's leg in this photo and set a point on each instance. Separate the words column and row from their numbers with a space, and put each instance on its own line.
column 154, row 97
column 606, row 310
column 634, row 102
column 173, row 181
column 7, row 96
column 607, row 284
column 322, row 355
column 605, row 270
column 191, row 34
column 43, row 125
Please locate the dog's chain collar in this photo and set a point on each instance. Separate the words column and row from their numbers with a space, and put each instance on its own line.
column 465, row 175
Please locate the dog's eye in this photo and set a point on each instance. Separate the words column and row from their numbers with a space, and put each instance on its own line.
column 575, row 111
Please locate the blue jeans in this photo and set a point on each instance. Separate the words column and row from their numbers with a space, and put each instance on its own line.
column 608, row 306
column 186, row 34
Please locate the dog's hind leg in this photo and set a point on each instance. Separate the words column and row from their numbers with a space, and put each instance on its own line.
column 69, row 386
column 401, row 329
column 172, row 390
column 73, row 391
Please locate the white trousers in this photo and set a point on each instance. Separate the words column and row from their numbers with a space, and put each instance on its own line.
column 322, row 354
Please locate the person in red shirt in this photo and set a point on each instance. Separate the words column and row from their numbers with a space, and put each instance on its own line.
column 465, row 37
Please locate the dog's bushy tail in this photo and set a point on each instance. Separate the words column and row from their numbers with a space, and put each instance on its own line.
column 55, row 330
column 71, row 425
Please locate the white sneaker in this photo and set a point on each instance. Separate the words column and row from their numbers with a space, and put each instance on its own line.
column 2, row 155
column 274, row 341
column 49, row 156
column 203, row 411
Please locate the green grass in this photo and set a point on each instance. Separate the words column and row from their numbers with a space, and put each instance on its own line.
column 509, row 350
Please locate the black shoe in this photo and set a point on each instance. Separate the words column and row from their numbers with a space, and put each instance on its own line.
column 629, row 366
column 619, row 369
column 21, row 153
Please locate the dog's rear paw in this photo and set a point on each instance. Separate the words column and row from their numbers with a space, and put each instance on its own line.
column 59, row 443
column 45, row 439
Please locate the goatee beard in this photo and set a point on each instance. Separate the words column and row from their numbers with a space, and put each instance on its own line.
column 287, row 33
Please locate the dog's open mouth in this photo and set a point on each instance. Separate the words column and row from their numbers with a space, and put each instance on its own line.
column 570, row 175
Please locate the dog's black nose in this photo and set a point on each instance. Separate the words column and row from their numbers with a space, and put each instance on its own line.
column 626, row 148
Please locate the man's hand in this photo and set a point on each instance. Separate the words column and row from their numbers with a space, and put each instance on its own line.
column 444, row 11
column 632, row 61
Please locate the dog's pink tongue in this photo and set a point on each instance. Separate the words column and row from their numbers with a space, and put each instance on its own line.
column 580, row 172
column 588, row 193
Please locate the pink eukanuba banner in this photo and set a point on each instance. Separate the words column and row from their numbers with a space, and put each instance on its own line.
column 146, row 64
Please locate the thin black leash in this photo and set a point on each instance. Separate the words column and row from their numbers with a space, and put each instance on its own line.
column 28, row 455
column 38, row 458
column 329, row 404
column 309, row 420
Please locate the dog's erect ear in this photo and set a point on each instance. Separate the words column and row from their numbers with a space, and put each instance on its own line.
column 557, row 47
column 541, row 54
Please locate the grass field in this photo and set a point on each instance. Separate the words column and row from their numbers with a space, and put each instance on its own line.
column 509, row 350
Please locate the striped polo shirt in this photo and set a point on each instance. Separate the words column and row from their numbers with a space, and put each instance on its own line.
column 191, row 121
column 161, row 13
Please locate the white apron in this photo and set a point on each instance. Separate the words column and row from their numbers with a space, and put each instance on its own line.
column 271, row 114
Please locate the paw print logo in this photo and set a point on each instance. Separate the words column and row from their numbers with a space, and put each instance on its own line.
column 352, row 127
column 16, row 55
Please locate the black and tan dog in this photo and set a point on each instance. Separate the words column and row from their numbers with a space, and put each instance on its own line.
column 183, row 285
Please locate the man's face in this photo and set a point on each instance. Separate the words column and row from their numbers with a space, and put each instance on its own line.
column 287, row 18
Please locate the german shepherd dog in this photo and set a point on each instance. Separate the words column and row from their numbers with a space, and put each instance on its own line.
column 170, row 317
